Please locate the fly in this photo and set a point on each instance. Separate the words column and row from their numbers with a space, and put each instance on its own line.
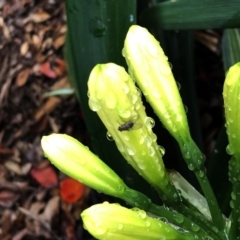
column 126, row 126
column 131, row 124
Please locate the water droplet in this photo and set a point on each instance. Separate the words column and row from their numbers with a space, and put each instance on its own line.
column 120, row 148
column 139, row 92
column 154, row 137
column 191, row 167
column 131, row 18
column 163, row 219
column 125, row 114
column 178, row 85
column 179, row 117
column 195, row 227
column 148, row 141
column 130, row 151
column 101, row 230
column 187, row 154
column 131, row 192
column 141, row 165
column 229, row 149
column 152, row 49
column 109, row 136
column 120, row 226
column 161, row 150
column 186, row 109
column 123, row 52
column 201, row 173
column 147, row 223
column 142, row 214
column 151, row 151
column 134, row 98
column 179, row 218
column 150, row 123
column 156, row 93
column 233, row 195
column 94, row 106
column 181, row 230
column 170, row 65
column 231, row 204
column 125, row 88
column 120, row 187
column 97, row 27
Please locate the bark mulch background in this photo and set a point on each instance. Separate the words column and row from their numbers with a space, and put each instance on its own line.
column 36, row 201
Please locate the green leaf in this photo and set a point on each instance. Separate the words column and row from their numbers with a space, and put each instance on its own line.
column 188, row 14
column 231, row 47
column 96, row 32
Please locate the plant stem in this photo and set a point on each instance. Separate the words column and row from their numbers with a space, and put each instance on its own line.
column 202, row 222
column 177, row 219
column 234, row 231
column 216, row 214
column 194, row 158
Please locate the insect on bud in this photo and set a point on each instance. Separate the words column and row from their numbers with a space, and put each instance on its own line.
column 113, row 95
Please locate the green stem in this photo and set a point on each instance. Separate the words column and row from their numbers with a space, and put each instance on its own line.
column 202, row 222
column 216, row 214
column 234, row 230
column 194, row 158
column 177, row 219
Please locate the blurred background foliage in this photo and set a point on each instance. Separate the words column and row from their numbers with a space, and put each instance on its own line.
column 96, row 32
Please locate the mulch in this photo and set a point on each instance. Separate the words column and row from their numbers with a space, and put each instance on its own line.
column 32, row 36
column 32, row 206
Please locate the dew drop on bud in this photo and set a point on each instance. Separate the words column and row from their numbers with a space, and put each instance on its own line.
column 178, row 85
column 229, row 149
column 120, row 226
column 161, row 150
column 123, row 52
column 109, row 136
column 139, row 92
column 150, row 123
column 94, row 106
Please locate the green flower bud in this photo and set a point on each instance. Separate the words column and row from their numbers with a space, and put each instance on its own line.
column 112, row 221
column 231, row 96
column 113, row 95
column 77, row 161
column 150, row 68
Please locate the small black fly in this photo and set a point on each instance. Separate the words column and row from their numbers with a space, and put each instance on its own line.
column 126, row 126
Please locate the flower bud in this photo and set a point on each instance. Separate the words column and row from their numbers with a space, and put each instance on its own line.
column 111, row 221
column 77, row 161
column 150, row 68
column 113, row 95
column 231, row 97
